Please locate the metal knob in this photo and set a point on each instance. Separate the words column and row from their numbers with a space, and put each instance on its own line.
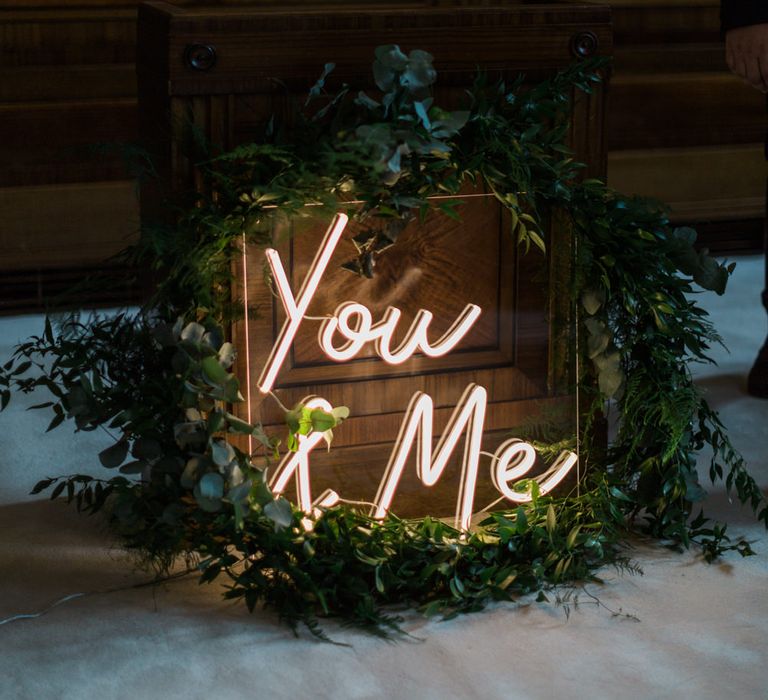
column 584, row 44
column 200, row 56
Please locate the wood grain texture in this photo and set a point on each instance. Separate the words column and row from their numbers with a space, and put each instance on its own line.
column 693, row 109
column 80, row 213
column 709, row 183
column 67, row 82
column 673, row 102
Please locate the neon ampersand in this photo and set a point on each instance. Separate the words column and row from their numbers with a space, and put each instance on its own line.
column 298, row 463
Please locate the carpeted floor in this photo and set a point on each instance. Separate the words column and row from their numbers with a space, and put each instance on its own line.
column 684, row 629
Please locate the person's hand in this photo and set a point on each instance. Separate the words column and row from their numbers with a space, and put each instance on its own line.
column 746, row 52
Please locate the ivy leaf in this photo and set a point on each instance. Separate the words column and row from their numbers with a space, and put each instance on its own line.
column 610, row 375
column 598, row 338
column 340, row 413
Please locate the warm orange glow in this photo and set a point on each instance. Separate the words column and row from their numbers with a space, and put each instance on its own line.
column 341, row 337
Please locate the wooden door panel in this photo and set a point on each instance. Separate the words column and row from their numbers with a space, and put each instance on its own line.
column 520, row 349
column 439, row 266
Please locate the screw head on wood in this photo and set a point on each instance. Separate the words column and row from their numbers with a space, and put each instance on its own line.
column 584, row 44
column 200, row 57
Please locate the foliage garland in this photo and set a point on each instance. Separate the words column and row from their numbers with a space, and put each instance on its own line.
column 160, row 378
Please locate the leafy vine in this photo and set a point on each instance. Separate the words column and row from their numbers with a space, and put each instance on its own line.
column 160, row 379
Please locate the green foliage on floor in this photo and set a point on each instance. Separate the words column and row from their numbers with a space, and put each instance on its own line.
column 160, row 380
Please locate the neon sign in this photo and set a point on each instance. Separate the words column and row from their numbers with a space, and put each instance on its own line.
column 355, row 328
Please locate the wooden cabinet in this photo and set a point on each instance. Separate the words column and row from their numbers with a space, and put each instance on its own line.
column 223, row 72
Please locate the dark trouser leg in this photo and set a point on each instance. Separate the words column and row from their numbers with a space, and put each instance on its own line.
column 757, row 381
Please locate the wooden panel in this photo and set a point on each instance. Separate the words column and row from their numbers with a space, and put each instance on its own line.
column 705, row 183
column 483, row 37
column 67, row 82
column 427, row 269
column 519, row 350
column 67, row 36
column 510, row 352
column 684, row 109
column 681, row 128
column 92, row 221
column 53, row 142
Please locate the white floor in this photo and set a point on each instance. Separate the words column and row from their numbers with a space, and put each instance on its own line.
column 687, row 629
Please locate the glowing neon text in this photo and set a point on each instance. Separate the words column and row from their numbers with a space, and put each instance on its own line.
column 353, row 323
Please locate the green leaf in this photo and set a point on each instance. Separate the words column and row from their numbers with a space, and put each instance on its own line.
column 279, row 512
column 192, row 470
column 146, row 449
column 592, row 299
column 340, row 413
column 211, row 486
column 136, row 467
column 193, row 332
column 222, row 452
column 41, row 485
column 521, row 521
column 213, row 372
column 227, row 355
column 322, row 421
column 292, row 418
column 114, row 455
column 551, row 519
column 58, row 419
column 610, row 374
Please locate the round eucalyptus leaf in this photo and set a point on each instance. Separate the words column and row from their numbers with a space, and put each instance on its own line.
column 193, row 332
column 222, row 452
column 211, row 485
column 279, row 512
column 227, row 355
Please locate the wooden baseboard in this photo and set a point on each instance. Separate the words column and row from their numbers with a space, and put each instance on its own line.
column 72, row 225
column 722, row 183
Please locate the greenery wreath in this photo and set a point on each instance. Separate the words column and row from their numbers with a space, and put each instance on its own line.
column 159, row 379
